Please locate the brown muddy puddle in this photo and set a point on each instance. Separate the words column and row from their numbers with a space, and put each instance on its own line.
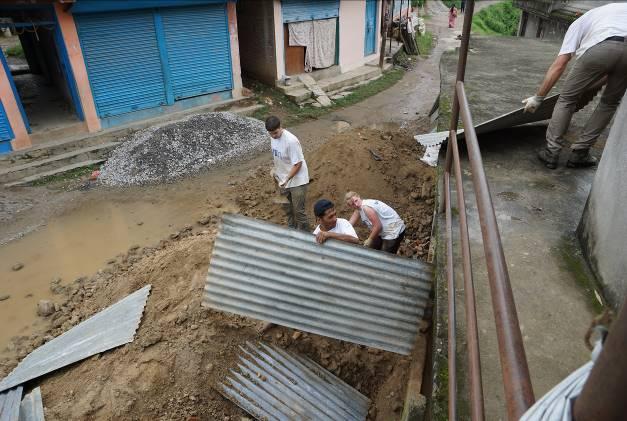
column 80, row 241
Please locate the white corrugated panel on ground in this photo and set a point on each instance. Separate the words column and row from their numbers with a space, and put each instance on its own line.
column 10, row 404
column 274, row 384
column 32, row 407
column 340, row 290
column 112, row 327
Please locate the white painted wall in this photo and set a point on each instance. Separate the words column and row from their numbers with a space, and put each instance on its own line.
column 278, row 40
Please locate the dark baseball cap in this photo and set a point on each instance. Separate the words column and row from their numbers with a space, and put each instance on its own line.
column 322, row 206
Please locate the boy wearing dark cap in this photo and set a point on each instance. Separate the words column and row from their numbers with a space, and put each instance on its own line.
column 330, row 226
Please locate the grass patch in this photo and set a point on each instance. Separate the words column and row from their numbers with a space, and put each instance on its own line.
column 417, row 3
column 291, row 113
column 425, row 43
column 450, row 3
column 66, row 176
column 15, row 51
column 498, row 19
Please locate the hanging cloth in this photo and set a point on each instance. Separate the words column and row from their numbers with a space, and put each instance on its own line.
column 318, row 38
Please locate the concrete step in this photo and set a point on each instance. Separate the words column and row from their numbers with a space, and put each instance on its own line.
column 45, row 165
column 32, row 178
column 301, row 93
column 58, row 133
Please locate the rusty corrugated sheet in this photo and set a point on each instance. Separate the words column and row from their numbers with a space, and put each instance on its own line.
column 274, row 384
column 340, row 290
column 10, row 404
column 32, row 407
column 112, row 327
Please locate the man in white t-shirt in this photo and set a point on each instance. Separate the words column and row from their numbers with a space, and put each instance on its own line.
column 289, row 171
column 387, row 229
column 598, row 40
column 330, row 226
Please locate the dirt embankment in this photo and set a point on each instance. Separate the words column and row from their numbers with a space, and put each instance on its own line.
column 182, row 350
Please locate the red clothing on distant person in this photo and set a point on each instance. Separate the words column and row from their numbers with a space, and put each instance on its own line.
column 452, row 16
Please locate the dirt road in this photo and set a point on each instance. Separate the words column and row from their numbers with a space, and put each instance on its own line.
column 83, row 237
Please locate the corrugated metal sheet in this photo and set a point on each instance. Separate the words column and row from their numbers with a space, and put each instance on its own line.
column 343, row 291
column 112, row 327
column 123, row 61
column 10, row 404
column 198, row 49
column 274, row 384
column 6, row 133
column 32, row 407
column 301, row 10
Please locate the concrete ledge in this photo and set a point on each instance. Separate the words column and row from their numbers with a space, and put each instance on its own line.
column 28, row 180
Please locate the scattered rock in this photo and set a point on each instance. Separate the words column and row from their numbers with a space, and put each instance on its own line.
column 17, row 266
column 414, row 195
column 297, row 335
column 204, row 220
column 45, row 308
column 140, row 223
column 4, row 297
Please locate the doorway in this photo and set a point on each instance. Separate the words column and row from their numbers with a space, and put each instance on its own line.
column 36, row 62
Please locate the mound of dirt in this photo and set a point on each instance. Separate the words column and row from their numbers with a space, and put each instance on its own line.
column 163, row 154
column 183, row 351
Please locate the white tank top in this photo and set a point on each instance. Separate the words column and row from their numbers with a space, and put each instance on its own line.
column 392, row 224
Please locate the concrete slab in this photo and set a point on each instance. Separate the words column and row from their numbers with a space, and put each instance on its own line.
column 537, row 210
column 30, row 179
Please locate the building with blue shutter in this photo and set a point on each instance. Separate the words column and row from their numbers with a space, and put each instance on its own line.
column 105, row 63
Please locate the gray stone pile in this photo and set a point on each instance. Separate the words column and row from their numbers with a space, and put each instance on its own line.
column 166, row 153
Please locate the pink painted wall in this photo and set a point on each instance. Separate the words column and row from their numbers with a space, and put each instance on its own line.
column 352, row 29
column 70, row 36
column 22, row 138
column 235, row 60
column 278, row 40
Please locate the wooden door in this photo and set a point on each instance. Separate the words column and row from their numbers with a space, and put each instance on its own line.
column 294, row 56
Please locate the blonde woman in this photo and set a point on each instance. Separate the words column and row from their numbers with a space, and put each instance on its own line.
column 387, row 229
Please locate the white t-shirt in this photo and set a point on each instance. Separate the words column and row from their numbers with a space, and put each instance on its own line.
column 287, row 152
column 342, row 226
column 595, row 26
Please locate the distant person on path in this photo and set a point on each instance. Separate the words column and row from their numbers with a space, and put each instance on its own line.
column 330, row 226
column 598, row 40
column 387, row 229
column 452, row 16
column 462, row 6
column 289, row 171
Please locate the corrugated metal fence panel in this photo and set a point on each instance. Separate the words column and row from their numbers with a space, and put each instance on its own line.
column 112, row 327
column 32, row 407
column 10, row 404
column 343, row 291
column 6, row 133
column 199, row 58
column 301, row 10
column 123, row 61
column 274, row 384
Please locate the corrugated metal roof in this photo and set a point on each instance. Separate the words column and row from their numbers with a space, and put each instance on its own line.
column 339, row 290
column 32, row 407
column 10, row 404
column 112, row 327
column 274, row 384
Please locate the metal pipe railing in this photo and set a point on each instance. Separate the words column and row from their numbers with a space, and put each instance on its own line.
column 516, row 380
column 472, row 331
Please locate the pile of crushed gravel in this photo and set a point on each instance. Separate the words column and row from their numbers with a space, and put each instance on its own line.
column 163, row 154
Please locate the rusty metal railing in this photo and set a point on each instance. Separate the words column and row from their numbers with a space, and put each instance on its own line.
column 516, row 381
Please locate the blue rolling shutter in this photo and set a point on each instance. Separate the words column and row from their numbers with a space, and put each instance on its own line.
column 123, row 62
column 301, row 10
column 6, row 133
column 198, row 49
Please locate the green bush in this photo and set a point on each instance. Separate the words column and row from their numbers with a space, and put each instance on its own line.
column 498, row 19
column 15, row 51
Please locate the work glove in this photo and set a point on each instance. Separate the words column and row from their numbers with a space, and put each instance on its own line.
column 532, row 103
